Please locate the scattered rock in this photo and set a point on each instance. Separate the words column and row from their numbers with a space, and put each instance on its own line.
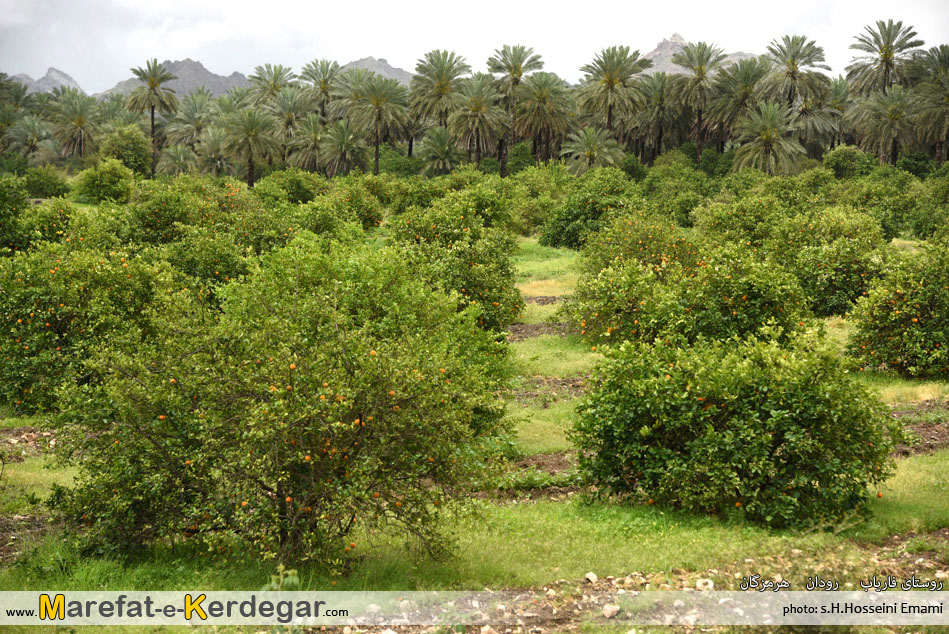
column 610, row 610
column 591, row 577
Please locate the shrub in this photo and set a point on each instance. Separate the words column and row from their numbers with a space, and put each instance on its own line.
column 716, row 164
column 13, row 163
column 740, row 184
column 130, row 146
column 599, row 192
column 107, row 181
column 393, row 162
column 902, row 321
column 896, row 199
column 919, row 164
column 637, row 237
column 800, row 193
column 351, row 196
column 416, row 191
column 62, row 303
column 291, row 185
column 520, row 158
column 161, row 207
column 457, row 252
column 489, row 165
column 12, row 202
column 633, row 167
column 360, row 402
column 673, row 187
column 847, row 161
column 47, row 222
column 747, row 221
column 779, row 434
column 727, row 293
column 835, row 254
column 45, row 182
column 206, row 254
column 324, row 217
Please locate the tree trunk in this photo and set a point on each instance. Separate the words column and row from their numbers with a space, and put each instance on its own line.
column 698, row 135
column 609, row 118
column 154, row 154
column 658, row 142
column 477, row 143
column 411, row 144
column 939, row 148
column 375, row 163
column 250, row 171
column 895, row 152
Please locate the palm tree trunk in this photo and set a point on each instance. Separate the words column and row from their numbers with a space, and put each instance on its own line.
column 477, row 148
column 411, row 144
column 698, row 135
column 895, row 151
column 250, row 170
column 658, row 142
column 154, row 157
column 609, row 118
column 939, row 147
column 502, row 156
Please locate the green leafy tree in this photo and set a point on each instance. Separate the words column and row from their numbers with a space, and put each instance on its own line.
column 885, row 122
column 74, row 122
column 513, row 63
column 342, row 149
column 885, row 51
column 322, row 75
column 251, row 137
column 796, row 74
column 382, row 112
column 152, row 96
column 767, row 144
column 438, row 77
column 130, row 145
column 591, row 147
column 608, row 89
column 478, row 120
column 696, row 90
column 544, row 113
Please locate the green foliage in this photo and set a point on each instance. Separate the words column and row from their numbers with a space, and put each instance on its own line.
column 47, row 222
column 598, row 193
column 130, row 146
column 59, row 305
column 160, row 209
column 835, row 254
column 777, row 434
column 847, row 162
column 291, row 185
column 673, row 187
column 280, row 432
column 896, row 199
column 45, row 182
column 109, row 180
column 416, row 191
column 726, row 293
column 520, row 158
column 489, row 165
column 747, row 221
column 353, row 198
column 12, row 202
column 459, row 251
column 638, row 238
column 206, row 254
column 394, row 162
column 13, row 163
column 919, row 164
column 902, row 321
column 633, row 167
column 802, row 192
column 716, row 164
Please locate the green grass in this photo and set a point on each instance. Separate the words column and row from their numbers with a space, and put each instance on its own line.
column 916, row 498
column 544, row 270
column 543, row 429
column 894, row 388
column 539, row 314
column 25, row 484
column 912, row 246
column 552, row 355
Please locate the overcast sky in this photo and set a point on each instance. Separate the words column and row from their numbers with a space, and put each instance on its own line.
column 97, row 41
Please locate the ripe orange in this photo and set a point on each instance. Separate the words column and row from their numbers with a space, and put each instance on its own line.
column 288, row 499
column 244, row 503
column 293, row 366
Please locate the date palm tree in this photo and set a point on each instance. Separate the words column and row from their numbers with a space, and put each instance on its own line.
column 177, row 159
column 885, row 121
column 439, row 151
column 658, row 113
column 796, row 71
column 193, row 116
column 438, row 78
column 27, row 135
column 886, row 49
column 383, row 111
column 212, row 153
column 838, row 102
column 250, row 136
column 933, row 92
column 608, row 88
column 322, row 75
column 478, row 120
column 696, row 90
column 768, row 140
column 268, row 79
column 74, row 122
column 543, row 112
column 591, row 147
column 342, row 150
column 289, row 106
column 350, row 91
column 305, row 148
column 737, row 87
column 153, row 96
column 512, row 63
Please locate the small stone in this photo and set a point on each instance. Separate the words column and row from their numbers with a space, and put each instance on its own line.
column 610, row 610
column 500, row 608
column 704, row 584
column 487, row 629
column 678, row 603
column 347, row 630
column 551, row 593
column 591, row 577
column 372, row 609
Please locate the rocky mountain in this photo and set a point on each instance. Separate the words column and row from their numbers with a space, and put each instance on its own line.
column 191, row 74
column 661, row 56
column 53, row 79
column 383, row 68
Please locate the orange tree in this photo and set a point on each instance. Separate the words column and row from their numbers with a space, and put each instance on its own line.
column 331, row 393
column 903, row 320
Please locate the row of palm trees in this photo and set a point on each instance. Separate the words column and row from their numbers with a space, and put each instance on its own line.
column 773, row 109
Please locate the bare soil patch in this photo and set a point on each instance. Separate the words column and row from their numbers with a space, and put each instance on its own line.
column 13, row 530
column 520, row 332
column 20, row 443
column 543, row 300
column 931, row 433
